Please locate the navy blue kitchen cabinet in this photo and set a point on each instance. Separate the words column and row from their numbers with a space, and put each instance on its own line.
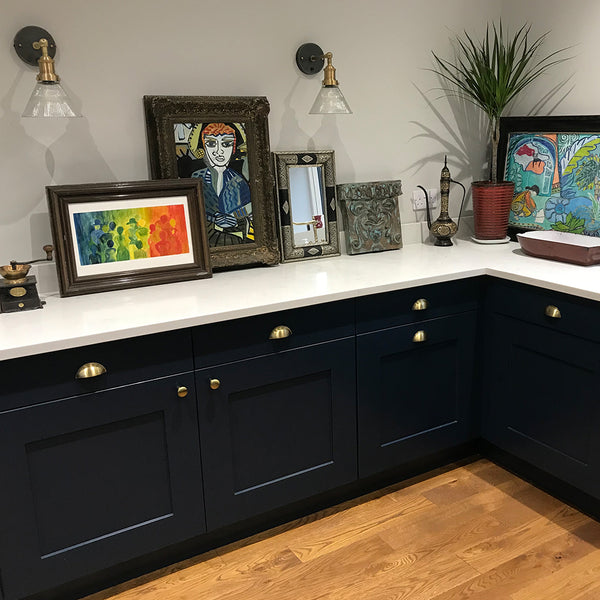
column 196, row 436
column 279, row 424
column 415, row 362
column 541, row 400
column 102, row 476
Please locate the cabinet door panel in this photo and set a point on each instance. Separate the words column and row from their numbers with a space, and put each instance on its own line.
column 414, row 398
column 543, row 401
column 96, row 480
column 277, row 430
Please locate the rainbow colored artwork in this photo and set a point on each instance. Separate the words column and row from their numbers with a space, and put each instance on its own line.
column 108, row 236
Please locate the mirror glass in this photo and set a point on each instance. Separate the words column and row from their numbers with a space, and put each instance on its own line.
column 307, row 204
column 307, row 213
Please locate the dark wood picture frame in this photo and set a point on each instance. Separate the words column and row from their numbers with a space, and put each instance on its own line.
column 283, row 162
column 171, row 158
column 540, row 127
column 188, row 257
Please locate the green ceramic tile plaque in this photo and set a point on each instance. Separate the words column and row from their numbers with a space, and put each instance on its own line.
column 371, row 216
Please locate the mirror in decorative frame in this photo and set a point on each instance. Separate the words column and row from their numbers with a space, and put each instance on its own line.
column 306, row 202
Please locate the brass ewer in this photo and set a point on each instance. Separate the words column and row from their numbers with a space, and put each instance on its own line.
column 443, row 228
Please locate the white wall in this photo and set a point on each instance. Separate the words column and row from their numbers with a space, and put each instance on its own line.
column 111, row 53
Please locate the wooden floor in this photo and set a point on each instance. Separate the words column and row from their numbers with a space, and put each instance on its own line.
column 474, row 532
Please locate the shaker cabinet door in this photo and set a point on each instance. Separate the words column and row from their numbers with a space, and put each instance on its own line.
column 95, row 480
column 542, row 401
column 414, row 391
column 276, row 429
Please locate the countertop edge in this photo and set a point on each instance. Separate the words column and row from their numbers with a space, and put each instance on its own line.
column 83, row 320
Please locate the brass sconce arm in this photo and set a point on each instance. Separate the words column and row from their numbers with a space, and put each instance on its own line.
column 45, row 62
column 310, row 59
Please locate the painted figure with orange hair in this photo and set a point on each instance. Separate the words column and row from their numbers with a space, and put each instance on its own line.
column 226, row 192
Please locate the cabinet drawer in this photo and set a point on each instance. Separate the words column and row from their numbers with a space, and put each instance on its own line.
column 239, row 339
column 398, row 308
column 578, row 316
column 45, row 377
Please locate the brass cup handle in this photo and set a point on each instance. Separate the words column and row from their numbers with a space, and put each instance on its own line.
column 91, row 369
column 420, row 336
column 420, row 304
column 280, row 332
column 215, row 384
column 182, row 391
column 552, row 312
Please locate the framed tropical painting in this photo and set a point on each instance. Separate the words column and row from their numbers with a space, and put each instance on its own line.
column 555, row 165
column 110, row 236
column 223, row 142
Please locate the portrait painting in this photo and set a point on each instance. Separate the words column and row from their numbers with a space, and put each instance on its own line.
column 223, row 142
column 217, row 154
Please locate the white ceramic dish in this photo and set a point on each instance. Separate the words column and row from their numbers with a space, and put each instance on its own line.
column 558, row 245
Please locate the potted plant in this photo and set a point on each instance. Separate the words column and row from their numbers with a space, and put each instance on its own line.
column 490, row 73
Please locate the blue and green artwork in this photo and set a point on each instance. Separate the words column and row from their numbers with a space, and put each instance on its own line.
column 557, row 181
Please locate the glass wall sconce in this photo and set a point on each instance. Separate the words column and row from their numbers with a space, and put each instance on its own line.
column 35, row 46
column 310, row 60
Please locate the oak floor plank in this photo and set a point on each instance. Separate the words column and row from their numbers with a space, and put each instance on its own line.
column 515, row 574
column 491, row 553
column 582, row 576
column 473, row 532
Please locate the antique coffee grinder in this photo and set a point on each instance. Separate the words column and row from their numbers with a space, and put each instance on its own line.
column 18, row 291
column 443, row 228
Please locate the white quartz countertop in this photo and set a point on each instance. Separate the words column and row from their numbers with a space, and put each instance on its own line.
column 81, row 320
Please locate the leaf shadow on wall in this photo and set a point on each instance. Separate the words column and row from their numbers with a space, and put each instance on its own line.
column 464, row 144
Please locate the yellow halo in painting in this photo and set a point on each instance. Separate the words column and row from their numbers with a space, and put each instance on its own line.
column 195, row 143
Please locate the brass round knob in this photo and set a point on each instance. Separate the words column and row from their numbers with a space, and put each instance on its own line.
column 420, row 336
column 553, row 312
column 182, row 391
column 280, row 332
column 91, row 369
column 215, row 384
column 420, row 304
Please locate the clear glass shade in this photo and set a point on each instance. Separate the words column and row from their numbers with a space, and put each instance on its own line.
column 330, row 100
column 49, row 100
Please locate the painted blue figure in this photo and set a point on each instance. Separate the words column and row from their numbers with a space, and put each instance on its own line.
column 226, row 192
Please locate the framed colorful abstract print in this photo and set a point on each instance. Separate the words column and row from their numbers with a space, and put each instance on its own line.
column 555, row 165
column 224, row 143
column 111, row 236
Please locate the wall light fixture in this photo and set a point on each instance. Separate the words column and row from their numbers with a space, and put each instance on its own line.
column 35, row 46
column 310, row 60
